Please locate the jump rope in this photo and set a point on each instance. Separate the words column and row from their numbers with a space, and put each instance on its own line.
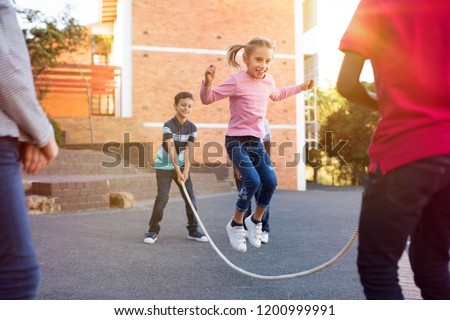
column 321, row 267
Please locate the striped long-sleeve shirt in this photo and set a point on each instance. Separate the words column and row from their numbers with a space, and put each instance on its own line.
column 21, row 115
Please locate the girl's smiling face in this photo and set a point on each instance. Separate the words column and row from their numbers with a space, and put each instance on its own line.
column 258, row 61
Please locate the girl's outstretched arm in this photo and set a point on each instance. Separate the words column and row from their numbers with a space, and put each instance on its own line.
column 208, row 95
column 309, row 84
column 283, row 93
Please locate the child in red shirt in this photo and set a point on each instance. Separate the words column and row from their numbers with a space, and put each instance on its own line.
column 407, row 192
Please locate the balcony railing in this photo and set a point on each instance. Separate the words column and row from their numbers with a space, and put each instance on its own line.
column 70, row 78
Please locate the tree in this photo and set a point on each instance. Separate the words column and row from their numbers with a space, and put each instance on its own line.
column 48, row 40
column 328, row 101
column 354, row 124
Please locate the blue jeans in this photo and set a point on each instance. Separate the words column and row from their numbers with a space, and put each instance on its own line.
column 19, row 269
column 265, row 218
column 410, row 201
column 164, row 180
column 250, row 157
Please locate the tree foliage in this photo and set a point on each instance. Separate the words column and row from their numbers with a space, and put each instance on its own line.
column 49, row 39
column 328, row 102
column 355, row 125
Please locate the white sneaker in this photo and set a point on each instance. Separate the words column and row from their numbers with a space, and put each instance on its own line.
column 265, row 237
column 254, row 232
column 237, row 238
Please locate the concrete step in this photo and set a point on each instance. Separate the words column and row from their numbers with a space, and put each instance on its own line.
column 74, row 169
column 87, row 162
column 144, row 186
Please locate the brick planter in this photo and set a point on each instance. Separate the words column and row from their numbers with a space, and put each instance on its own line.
column 74, row 193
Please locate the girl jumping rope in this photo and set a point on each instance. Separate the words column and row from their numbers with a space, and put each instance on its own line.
column 248, row 92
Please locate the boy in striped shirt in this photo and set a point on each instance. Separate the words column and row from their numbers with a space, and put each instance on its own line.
column 172, row 163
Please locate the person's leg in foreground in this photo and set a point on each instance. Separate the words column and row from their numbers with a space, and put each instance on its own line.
column 19, row 269
column 396, row 205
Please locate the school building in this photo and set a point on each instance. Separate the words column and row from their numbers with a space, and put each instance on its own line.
column 146, row 51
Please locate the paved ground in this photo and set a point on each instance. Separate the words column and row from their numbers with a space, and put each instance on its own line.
column 100, row 254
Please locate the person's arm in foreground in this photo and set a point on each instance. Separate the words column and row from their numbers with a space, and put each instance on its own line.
column 18, row 97
column 348, row 84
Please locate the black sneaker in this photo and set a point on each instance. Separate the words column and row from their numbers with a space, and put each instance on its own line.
column 150, row 237
column 197, row 236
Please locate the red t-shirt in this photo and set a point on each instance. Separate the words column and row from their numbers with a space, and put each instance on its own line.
column 408, row 44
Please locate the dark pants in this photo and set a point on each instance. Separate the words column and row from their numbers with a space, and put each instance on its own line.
column 412, row 201
column 265, row 218
column 19, row 269
column 164, row 180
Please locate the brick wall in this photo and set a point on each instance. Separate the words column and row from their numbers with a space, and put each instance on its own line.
column 74, row 194
column 77, row 181
column 158, row 76
column 214, row 25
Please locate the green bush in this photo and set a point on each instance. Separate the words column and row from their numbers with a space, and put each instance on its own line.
column 59, row 133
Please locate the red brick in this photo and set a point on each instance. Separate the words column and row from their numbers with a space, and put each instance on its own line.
column 85, row 192
column 69, row 207
column 71, row 192
column 85, row 206
column 96, row 198
column 102, row 191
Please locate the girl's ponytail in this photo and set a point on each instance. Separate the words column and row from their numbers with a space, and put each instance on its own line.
column 248, row 47
column 231, row 55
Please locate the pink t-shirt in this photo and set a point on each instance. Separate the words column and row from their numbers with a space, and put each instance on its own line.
column 408, row 44
column 248, row 101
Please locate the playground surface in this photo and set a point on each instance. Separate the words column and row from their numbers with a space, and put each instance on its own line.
column 101, row 255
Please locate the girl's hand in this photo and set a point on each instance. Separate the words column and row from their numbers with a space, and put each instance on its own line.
column 307, row 85
column 210, row 73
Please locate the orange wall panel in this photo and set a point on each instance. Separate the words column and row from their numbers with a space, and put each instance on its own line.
column 66, row 105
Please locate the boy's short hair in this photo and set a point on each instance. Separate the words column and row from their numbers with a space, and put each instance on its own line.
column 183, row 95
